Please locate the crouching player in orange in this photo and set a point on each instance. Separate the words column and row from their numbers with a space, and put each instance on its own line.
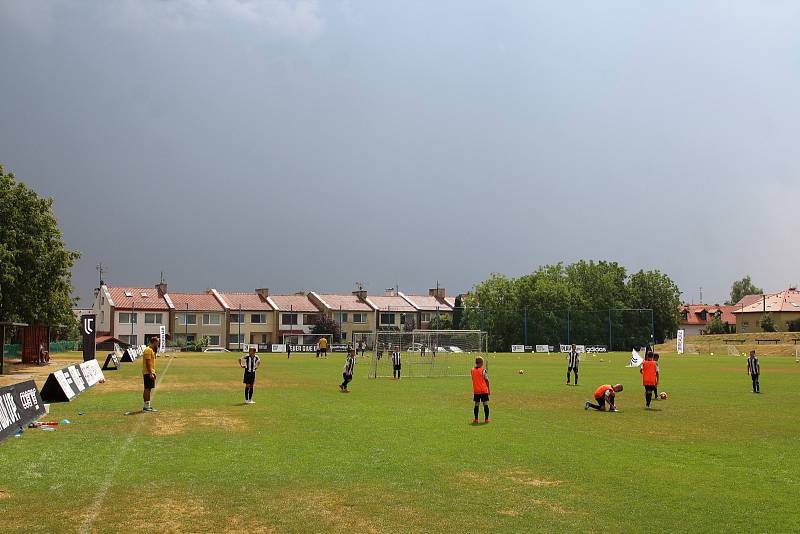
column 480, row 390
column 602, row 395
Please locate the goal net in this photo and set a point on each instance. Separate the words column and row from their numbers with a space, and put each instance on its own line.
column 428, row 353
column 733, row 351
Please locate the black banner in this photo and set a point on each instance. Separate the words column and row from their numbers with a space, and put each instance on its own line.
column 88, row 326
column 67, row 383
column 20, row 404
column 112, row 362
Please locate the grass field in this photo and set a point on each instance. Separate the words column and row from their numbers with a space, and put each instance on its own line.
column 402, row 456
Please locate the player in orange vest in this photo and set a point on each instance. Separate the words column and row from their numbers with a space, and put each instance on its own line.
column 649, row 370
column 480, row 390
column 603, row 394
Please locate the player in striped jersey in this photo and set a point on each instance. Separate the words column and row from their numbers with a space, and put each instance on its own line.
column 249, row 363
column 396, row 363
column 754, row 369
column 572, row 363
column 347, row 370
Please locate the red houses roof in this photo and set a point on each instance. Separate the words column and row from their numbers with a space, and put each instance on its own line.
column 247, row 301
column 139, row 298
column 298, row 303
column 334, row 302
column 785, row 301
column 195, row 302
column 694, row 314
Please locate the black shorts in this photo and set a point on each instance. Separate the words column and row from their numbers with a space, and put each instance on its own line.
column 650, row 388
column 482, row 397
column 572, row 369
column 323, row 351
column 149, row 382
column 601, row 401
column 396, row 367
column 249, row 377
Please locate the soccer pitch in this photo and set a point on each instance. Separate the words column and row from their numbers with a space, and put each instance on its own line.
column 402, row 456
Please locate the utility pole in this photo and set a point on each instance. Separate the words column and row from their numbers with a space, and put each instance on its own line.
column 701, row 295
column 100, row 269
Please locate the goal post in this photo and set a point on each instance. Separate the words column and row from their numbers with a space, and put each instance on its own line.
column 428, row 353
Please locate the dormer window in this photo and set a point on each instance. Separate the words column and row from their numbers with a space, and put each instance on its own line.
column 128, row 294
column 143, row 294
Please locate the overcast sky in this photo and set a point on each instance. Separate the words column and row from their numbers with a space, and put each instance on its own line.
column 308, row 145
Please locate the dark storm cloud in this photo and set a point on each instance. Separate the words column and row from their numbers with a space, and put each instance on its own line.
column 310, row 145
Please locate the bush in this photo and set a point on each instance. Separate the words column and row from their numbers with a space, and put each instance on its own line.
column 793, row 326
column 716, row 326
column 767, row 323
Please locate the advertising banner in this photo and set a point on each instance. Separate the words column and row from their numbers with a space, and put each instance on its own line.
column 20, row 404
column 89, row 336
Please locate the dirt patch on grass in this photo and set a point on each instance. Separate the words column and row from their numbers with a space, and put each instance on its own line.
column 4, row 494
column 474, row 477
column 175, row 513
column 331, row 509
column 528, row 479
column 216, row 418
column 171, row 426
column 510, row 513
column 173, row 423
column 554, row 508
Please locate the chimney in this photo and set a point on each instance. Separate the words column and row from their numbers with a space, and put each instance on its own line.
column 437, row 292
column 390, row 292
column 263, row 292
column 162, row 288
column 361, row 294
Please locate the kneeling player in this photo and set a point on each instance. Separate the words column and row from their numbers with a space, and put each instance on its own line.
column 480, row 390
column 249, row 363
column 602, row 395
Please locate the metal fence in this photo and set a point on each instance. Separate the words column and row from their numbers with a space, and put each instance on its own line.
column 14, row 350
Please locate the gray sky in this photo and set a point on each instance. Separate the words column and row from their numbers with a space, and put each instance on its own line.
column 310, row 145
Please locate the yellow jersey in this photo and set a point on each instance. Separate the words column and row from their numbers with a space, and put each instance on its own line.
column 148, row 354
column 323, row 343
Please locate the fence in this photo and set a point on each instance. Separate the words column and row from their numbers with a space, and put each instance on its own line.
column 616, row 328
column 14, row 350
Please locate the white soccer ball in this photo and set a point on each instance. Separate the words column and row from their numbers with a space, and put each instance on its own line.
column 712, row 353
column 521, row 371
column 663, row 395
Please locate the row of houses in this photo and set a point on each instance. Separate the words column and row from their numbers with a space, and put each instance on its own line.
column 134, row 314
column 746, row 315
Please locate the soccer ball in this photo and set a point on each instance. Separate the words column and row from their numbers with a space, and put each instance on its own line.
column 663, row 395
column 712, row 353
column 521, row 371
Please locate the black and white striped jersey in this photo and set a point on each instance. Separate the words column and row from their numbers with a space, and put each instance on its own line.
column 752, row 366
column 348, row 365
column 573, row 358
column 395, row 358
column 251, row 362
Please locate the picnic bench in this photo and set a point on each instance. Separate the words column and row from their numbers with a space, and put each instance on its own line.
column 773, row 341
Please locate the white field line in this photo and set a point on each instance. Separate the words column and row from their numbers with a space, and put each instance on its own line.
column 94, row 510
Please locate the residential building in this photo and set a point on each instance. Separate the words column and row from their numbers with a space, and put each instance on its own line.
column 356, row 317
column 784, row 307
column 430, row 306
column 695, row 319
column 393, row 311
column 249, row 317
column 295, row 316
column 131, row 314
column 197, row 315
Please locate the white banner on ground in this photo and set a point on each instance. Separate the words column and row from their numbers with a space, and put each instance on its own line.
column 162, row 336
column 278, row 347
column 636, row 360
column 517, row 348
column 542, row 348
column 680, row 341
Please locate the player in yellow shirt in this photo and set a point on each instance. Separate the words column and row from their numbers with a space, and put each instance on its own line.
column 323, row 347
column 149, row 372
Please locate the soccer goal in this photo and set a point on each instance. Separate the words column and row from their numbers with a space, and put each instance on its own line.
column 428, row 353
column 733, row 351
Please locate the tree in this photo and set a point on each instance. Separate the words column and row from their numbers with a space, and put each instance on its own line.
column 442, row 322
column 716, row 326
column 657, row 291
column 458, row 314
column 35, row 277
column 767, row 323
column 743, row 287
column 793, row 326
column 326, row 325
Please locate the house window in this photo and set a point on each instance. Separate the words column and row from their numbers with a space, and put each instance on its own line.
column 360, row 318
column 186, row 318
column 152, row 318
column 309, row 318
column 213, row 340
column 426, row 317
column 237, row 318
column 130, row 340
column 289, row 318
column 258, row 318
column 127, row 318
column 340, row 317
column 236, row 338
column 387, row 318
column 211, row 318
column 102, row 317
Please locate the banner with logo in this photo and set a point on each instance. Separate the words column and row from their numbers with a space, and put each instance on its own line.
column 89, row 330
column 67, row 383
column 596, row 348
column 680, row 341
column 578, row 348
column 278, row 347
column 636, row 359
column 543, row 348
column 162, row 337
column 20, row 404
column 517, row 348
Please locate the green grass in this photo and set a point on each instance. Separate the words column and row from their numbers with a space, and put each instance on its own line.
column 403, row 457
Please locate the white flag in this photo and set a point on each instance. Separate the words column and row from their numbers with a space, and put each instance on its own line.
column 636, row 360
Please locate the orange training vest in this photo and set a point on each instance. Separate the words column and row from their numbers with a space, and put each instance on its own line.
column 649, row 373
column 600, row 392
column 479, row 385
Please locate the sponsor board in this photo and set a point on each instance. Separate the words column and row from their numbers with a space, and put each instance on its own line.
column 162, row 337
column 681, row 334
column 543, row 348
column 517, row 348
column 578, row 348
column 130, row 355
column 65, row 384
column 20, row 404
column 278, row 347
column 596, row 348
column 89, row 336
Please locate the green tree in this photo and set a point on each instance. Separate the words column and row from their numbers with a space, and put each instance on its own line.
column 716, row 326
column 767, row 323
column 442, row 322
column 655, row 290
column 35, row 277
column 743, row 287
